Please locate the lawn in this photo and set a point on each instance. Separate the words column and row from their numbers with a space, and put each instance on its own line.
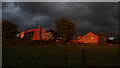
column 60, row 55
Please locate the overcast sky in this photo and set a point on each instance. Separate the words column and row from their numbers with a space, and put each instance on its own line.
column 88, row 16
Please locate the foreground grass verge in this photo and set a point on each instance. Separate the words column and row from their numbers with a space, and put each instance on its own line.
column 59, row 55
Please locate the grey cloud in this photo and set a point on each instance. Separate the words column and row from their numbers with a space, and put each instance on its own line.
column 89, row 16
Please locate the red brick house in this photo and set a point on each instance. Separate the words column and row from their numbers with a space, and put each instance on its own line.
column 88, row 38
column 36, row 34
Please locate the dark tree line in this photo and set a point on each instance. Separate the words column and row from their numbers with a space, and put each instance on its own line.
column 9, row 30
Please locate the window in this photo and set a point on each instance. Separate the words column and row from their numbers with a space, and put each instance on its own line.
column 92, row 38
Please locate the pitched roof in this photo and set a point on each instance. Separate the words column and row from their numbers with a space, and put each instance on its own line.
column 90, row 34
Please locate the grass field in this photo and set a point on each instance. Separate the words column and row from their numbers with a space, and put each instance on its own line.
column 60, row 55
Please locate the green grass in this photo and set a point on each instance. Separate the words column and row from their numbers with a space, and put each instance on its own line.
column 106, row 56
column 59, row 55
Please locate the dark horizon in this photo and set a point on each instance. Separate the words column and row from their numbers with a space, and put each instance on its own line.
column 96, row 17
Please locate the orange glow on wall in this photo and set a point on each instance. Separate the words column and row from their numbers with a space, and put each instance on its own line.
column 39, row 34
column 89, row 38
column 43, row 30
column 36, row 35
column 22, row 34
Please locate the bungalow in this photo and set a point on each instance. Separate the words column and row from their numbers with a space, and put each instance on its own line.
column 88, row 38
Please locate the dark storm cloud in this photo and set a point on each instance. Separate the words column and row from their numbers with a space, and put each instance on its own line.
column 88, row 16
